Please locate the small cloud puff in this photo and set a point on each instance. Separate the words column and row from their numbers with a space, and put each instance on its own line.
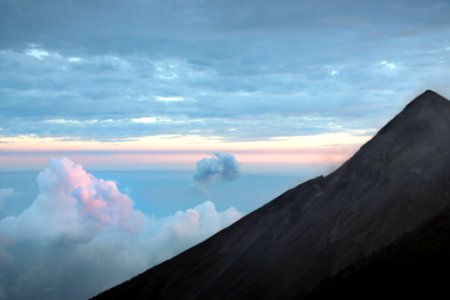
column 222, row 166
column 388, row 65
column 37, row 53
column 334, row 72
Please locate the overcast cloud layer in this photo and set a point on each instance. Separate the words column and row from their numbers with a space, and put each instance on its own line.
column 239, row 70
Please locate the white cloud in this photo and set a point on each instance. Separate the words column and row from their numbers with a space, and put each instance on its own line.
column 37, row 53
column 86, row 236
column 74, row 59
column 72, row 122
column 145, row 120
column 334, row 73
column 169, row 99
column 151, row 120
column 178, row 70
column 388, row 65
column 166, row 71
column 63, row 122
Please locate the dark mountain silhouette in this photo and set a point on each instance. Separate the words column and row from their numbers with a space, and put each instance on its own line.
column 282, row 250
column 415, row 266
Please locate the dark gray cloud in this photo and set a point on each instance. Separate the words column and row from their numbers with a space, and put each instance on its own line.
column 239, row 70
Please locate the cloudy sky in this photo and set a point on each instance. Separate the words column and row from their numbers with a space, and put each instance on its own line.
column 218, row 88
column 288, row 81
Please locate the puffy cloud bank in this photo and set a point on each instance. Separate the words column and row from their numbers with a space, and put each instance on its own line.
column 222, row 166
column 81, row 235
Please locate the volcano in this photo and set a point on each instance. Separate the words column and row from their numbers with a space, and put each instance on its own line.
column 397, row 180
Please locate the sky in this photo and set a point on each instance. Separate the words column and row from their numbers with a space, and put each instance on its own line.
column 130, row 130
column 164, row 82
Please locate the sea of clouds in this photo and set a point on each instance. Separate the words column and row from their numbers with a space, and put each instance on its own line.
column 82, row 235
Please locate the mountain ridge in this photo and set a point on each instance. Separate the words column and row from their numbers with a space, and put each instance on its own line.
column 381, row 192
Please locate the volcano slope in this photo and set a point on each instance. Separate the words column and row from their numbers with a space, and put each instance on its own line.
column 414, row 266
column 398, row 179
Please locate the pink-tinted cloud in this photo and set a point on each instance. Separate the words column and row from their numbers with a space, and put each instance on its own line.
column 82, row 235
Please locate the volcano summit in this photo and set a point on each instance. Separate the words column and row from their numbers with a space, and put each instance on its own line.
column 397, row 180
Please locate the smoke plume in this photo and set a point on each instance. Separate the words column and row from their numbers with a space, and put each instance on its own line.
column 222, row 166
